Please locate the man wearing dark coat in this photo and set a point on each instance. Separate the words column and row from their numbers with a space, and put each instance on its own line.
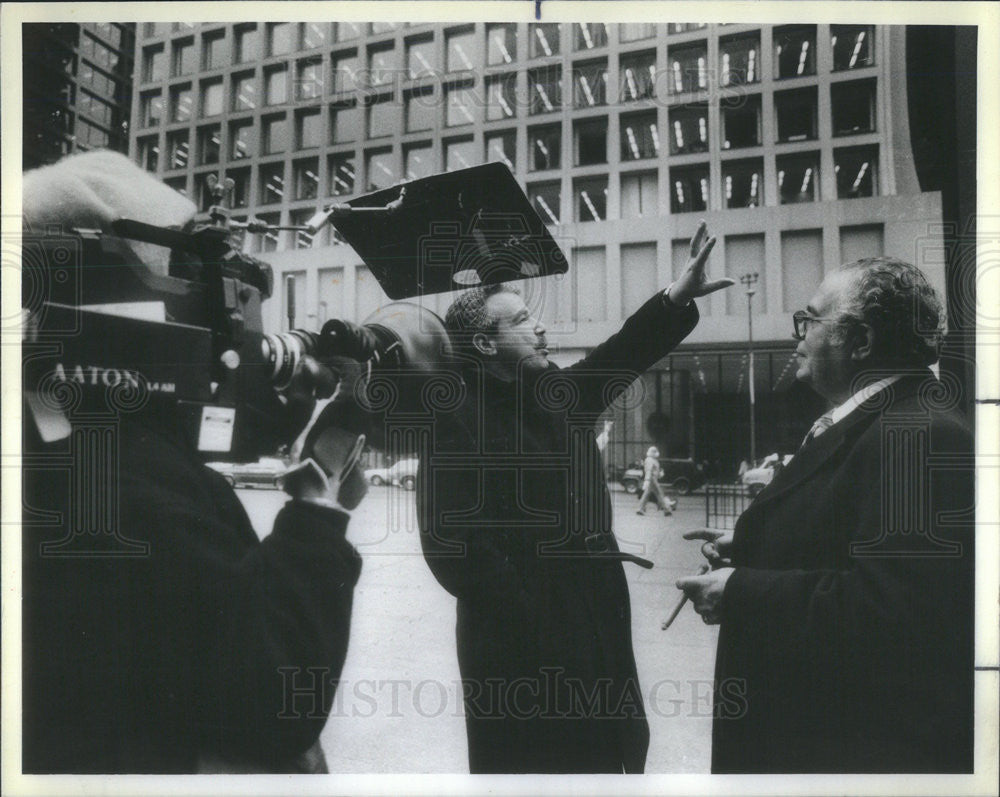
column 515, row 520
column 846, row 611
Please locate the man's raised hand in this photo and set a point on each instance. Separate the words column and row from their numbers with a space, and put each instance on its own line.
column 694, row 282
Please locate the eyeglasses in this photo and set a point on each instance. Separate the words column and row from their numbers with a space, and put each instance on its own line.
column 802, row 319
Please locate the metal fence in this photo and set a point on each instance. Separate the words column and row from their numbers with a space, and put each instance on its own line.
column 724, row 503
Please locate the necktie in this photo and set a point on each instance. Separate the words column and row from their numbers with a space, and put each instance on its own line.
column 824, row 422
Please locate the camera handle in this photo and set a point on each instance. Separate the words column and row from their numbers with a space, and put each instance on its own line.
column 324, row 216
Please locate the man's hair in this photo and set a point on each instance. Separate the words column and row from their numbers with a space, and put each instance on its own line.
column 468, row 314
column 895, row 299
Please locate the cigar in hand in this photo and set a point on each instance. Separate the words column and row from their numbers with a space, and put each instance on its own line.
column 680, row 604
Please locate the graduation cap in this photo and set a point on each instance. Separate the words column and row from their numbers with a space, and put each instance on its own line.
column 447, row 232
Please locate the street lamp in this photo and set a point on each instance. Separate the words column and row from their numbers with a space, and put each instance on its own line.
column 749, row 281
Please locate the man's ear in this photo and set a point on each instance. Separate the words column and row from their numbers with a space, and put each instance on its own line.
column 862, row 342
column 484, row 344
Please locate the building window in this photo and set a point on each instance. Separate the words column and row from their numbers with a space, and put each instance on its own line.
column 303, row 239
column 179, row 184
column 269, row 239
column 545, row 198
column 635, row 31
column 795, row 113
column 639, row 195
column 381, row 65
column 181, row 103
column 244, row 92
column 638, row 77
column 276, row 86
column 688, row 66
column 853, row 46
column 214, row 50
column 640, row 136
column 346, row 31
column 382, row 27
column 154, row 63
column 689, row 189
column 544, row 39
column 312, row 34
column 501, row 43
column 241, row 136
column 739, row 60
column 688, row 128
column 857, row 172
column 204, row 197
column 275, row 134
column 460, row 46
column 589, row 35
column 500, row 97
column 685, row 27
column 150, row 29
column 209, row 144
column 247, row 44
column 212, row 98
column 795, row 51
column 305, row 176
column 382, row 120
column 741, row 124
column 741, row 183
column 590, row 84
column 501, row 147
column 798, row 178
column 380, row 170
column 545, row 146
column 420, row 57
column 591, row 199
column 340, row 173
column 591, row 142
column 95, row 108
column 418, row 161
column 184, row 58
column 239, row 197
column 545, row 87
column 149, row 153
column 420, row 109
column 309, row 79
column 345, row 123
column 853, row 107
column 279, row 38
column 459, row 154
column 177, row 149
column 272, row 183
column 459, row 101
column 308, row 129
column 345, row 72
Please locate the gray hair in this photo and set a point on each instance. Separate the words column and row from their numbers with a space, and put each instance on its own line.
column 468, row 314
column 895, row 299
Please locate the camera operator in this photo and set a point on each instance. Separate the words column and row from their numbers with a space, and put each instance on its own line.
column 214, row 650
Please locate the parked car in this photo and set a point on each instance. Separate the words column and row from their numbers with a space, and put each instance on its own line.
column 682, row 475
column 262, row 473
column 757, row 478
column 403, row 473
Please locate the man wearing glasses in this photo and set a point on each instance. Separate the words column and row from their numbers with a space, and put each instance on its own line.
column 845, row 592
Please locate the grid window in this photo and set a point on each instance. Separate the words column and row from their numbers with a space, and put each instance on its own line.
column 545, row 198
column 345, row 72
column 275, row 134
column 340, row 173
column 418, row 161
column 184, row 58
column 688, row 68
column 154, row 28
column 545, row 147
column 420, row 57
column 247, row 44
column 382, row 120
column 637, row 75
column 209, row 144
column 798, row 178
column 589, row 35
column 853, row 106
column 460, row 100
column 381, row 65
column 345, row 123
column 639, row 195
column 636, row 31
column 380, row 170
column 305, row 176
column 276, row 86
column 857, row 172
column 689, row 189
column 640, row 136
column 853, row 46
column 215, row 52
column 502, row 148
column 309, row 79
column 591, row 197
column 90, row 135
column 500, row 98
column 460, row 46
column 149, row 153
column 739, row 60
column 741, row 124
column 303, row 239
column 268, row 241
column 545, row 86
column 203, row 191
column 95, row 108
column 272, row 183
column 382, row 27
column 688, row 128
column 795, row 51
column 212, row 98
column 421, row 110
column 590, row 84
column 346, row 31
column 279, row 38
column 241, row 140
column 179, row 184
column 544, row 39
column 244, row 92
column 741, row 183
column 178, row 149
column 459, row 154
column 239, row 197
column 795, row 114
column 308, row 129
column 591, row 142
column 181, row 103
column 501, row 43
column 312, row 34
column 685, row 27
column 154, row 63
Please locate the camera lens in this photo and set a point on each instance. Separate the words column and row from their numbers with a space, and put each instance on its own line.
column 282, row 352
